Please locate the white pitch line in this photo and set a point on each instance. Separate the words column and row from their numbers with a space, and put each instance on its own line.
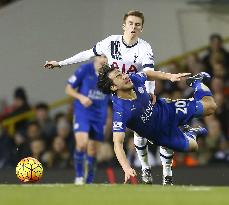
column 199, row 189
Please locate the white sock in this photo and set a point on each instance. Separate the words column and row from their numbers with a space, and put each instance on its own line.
column 142, row 150
column 166, row 156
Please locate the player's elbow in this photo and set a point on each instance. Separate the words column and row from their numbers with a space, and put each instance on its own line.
column 209, row 105
column 117, row 141
column 149, row 73
column 193, row 146
column 118, row 147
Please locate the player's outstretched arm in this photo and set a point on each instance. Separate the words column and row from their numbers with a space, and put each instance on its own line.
column 82, row 56
column 118, row 139
column 158, row 75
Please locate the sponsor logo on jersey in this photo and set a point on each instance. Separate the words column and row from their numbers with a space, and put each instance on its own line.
column 96, row 95
column 128, row 70
column 147, row 113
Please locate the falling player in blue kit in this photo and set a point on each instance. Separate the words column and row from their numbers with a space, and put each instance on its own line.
column 131, row 54
column 90, row 111
column 158, row 122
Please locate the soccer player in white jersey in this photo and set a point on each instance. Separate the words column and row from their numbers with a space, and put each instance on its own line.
column 130, row 54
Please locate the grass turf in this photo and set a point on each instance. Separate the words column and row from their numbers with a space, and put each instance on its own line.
column 98, row 194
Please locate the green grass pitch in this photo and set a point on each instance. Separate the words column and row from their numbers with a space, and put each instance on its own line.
column 99, row 194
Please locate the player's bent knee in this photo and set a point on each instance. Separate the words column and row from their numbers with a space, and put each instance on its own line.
column 91, row 148
column 209, row 105
column 81, row 139
column 139, row 141
column 81, row 147
column 193, row 146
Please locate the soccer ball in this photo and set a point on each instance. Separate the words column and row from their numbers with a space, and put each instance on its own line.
column 29, row 170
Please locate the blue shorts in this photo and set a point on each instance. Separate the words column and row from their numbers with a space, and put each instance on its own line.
column 174, row 113
column 95, row 129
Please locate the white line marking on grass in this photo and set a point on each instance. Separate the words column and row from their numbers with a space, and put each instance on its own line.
column 199, row 189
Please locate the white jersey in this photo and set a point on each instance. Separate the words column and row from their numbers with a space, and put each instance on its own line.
column 129, row 59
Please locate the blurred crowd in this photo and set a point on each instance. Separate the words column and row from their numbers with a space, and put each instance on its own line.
column 5, row 2
column 50, row 139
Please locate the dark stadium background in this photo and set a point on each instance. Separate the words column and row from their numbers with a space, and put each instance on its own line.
column 35, row 31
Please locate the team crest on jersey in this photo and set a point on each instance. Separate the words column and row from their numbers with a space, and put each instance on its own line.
column 117, row 125
column 141, row 90
column 135, row 57
column 115, row 50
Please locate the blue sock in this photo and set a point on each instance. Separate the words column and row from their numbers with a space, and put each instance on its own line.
column 91, row 162
column 79, row 163
column 200, row 90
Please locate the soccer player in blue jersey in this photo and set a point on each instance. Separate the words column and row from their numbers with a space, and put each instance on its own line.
column 158, row 122
column 131, row 54
column 90, row 111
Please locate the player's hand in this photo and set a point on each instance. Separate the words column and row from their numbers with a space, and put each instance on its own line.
column 153, row 98
column 178, row 76
column 51, row 64
column 129, row 172
column 85, row 101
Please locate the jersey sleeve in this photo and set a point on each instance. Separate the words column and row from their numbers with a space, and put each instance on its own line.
column 82, row 56
column 99, row 48
column 139, row 78
column 148, row 58
column 76, row 79
column 119, row 121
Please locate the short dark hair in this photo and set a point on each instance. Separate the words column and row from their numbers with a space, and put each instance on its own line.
column 134, row 13
column 42, row 106
column 20, row 93
column 216, row 36
column 104, row 82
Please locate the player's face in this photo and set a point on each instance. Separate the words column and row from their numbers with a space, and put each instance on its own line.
column 215, row 44
column 133, row 26
column 120, row 81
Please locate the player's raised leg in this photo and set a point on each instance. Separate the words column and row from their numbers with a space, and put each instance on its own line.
column 205, row 105
column 142, row 152
column 205, row 102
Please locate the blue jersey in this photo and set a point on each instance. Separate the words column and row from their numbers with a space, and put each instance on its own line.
column 159, row 122
column 85, row 81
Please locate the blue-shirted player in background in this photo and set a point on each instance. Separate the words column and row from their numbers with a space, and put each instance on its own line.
column 90, row 112
column 157, row 122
